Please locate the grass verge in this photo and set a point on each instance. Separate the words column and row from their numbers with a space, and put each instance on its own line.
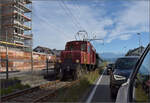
column 13, row 88
column 77, row 91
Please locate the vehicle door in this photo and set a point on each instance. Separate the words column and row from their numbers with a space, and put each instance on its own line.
column 140, row 91
column 137, row 88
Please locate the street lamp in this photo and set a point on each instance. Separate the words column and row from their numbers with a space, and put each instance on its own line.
column 139, row 34
column 139, row 39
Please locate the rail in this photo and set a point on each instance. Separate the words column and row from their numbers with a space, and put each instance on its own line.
column 55, row 86
column 28, row 90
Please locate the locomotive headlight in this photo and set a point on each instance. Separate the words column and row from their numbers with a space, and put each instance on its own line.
column 59, row 61
column 77, row 61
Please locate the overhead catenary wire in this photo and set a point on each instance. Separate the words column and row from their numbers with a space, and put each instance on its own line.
column 68, row 12
column 71, row 14
column 77, row 4
column 75, row 26
column 78, row 8
column 57, row 28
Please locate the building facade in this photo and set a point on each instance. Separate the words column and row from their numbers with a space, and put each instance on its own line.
column 16, row 23
column 135, row 52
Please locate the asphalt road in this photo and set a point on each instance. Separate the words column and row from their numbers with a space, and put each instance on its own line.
column 102, row 93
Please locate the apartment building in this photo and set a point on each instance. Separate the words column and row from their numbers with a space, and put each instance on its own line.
column 16, row 23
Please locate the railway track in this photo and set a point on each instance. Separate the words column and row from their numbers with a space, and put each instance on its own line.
column 37, row 94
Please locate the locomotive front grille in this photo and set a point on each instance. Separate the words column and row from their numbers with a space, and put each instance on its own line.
column 68, row 60
column 69, row 56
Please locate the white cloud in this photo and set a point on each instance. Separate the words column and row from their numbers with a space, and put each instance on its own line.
column 57, row 27
column 53, row 27
column 125, row 36
column 132, row 20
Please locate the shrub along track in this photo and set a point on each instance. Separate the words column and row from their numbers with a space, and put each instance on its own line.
column 39, row 93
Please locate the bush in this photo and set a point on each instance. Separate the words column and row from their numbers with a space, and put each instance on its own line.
column 10, row 89
column 74, row 93
column 101, row 71
column 6, row 91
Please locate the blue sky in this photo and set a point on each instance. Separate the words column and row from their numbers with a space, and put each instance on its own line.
column 117, row 22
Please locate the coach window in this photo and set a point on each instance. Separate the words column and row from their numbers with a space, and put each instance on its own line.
column 141, row 90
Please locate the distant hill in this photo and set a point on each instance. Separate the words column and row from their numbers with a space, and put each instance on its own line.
column 111, row 57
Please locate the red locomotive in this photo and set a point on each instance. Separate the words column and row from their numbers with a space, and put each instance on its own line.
column 77, row 57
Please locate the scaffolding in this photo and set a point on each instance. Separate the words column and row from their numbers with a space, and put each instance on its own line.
column 16, row 24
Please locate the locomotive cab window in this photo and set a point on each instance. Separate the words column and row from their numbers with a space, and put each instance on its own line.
column 83, row 47
column 73, row 46
column 69, row 47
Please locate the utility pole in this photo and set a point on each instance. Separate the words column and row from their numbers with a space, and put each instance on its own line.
column 6, row 54
column 125, row 48
column 140, row 45
column 31, row 60
column 139, row 39
column 47, row 61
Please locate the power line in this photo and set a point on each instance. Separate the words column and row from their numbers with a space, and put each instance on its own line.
column 77, row 4
column 78, row 23
column 51, row 25
column 74, row 23
column 79, row 9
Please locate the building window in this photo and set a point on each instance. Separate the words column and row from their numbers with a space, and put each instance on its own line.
column 16, row 30
column 15, row 16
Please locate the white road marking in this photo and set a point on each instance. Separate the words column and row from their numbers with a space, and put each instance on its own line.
column 93, row 91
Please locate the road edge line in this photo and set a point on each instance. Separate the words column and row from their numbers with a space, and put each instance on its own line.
column 90, row 97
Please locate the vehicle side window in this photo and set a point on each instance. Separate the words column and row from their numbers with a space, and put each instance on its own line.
column 141, row 89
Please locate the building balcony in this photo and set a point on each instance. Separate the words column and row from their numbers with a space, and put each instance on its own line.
column 19, row 5
column 18, row 42
column 26, row 27
column 25, row 1
column 23, row 7
column 28, row 1
column 26, row 19
column 25, row 36
column 17, row 25
column 22, row 15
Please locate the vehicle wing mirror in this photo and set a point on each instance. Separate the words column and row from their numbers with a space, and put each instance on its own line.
column 123, row 93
